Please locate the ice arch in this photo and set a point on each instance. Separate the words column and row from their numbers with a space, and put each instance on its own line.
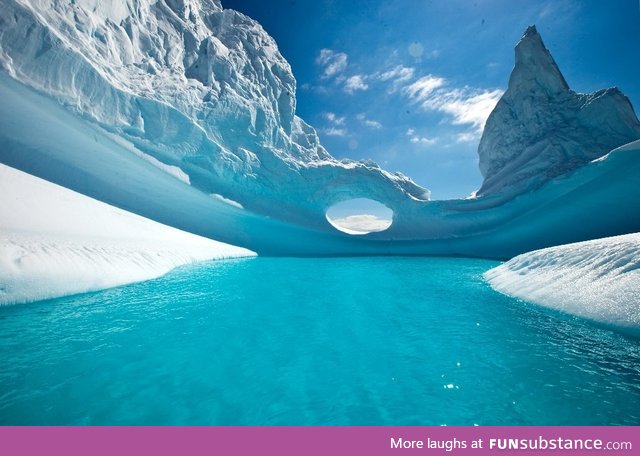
column 360, row 216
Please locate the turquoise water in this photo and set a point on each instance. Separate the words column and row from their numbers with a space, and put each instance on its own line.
column 348, row 341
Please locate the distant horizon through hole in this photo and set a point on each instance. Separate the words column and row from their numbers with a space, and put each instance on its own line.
column 359, row 216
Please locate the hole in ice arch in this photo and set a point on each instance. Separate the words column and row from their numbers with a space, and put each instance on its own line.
column 360, row 216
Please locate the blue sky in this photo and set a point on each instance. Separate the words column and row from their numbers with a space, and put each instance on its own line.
column 408, row 84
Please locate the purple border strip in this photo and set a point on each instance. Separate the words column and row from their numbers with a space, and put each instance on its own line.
column 315, row 441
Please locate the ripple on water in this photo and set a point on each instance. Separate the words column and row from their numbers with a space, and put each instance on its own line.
column 281, row 341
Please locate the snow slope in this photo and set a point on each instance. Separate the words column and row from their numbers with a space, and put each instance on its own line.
column 55, row 242
column 598, row 279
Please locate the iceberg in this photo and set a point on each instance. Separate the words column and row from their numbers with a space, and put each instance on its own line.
column 597, row 279
column 195, row 86
column 183, row 112
column 540, row 129
column 55, row 242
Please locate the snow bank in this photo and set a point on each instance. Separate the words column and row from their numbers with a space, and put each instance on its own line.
column 598, row 279
column 54, row 242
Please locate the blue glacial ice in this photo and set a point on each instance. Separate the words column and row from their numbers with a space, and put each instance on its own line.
column 184, row 112
column 129, row 96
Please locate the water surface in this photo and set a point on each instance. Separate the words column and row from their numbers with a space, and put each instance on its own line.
column 283, row 341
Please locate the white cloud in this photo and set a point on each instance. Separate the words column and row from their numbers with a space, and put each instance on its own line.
column 368, row 122
column 423, row 140
column 466, row 137
column 467, row 106
column 314, row 88
column 373, row 124
column 355, row 83
column 362, row 224
column 333, row 63
column 399, row 73
column 337, row 125
column 417, row 139
column 333, row 118
column 398, row 76
column 421, row 90
column 333, row 131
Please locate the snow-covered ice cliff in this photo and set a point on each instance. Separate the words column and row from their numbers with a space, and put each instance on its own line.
column 184, row 112
column 598, row 279
column 55, row 242
column 541, row 129
column 197, row 87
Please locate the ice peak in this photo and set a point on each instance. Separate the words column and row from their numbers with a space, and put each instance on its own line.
column 541, row 129
column 535, row 67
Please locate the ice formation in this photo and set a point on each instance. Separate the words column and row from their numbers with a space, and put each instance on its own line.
column 54, row 242
column 598, row 279
column 184, row 112
column 541, row 129
column 195, row 86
